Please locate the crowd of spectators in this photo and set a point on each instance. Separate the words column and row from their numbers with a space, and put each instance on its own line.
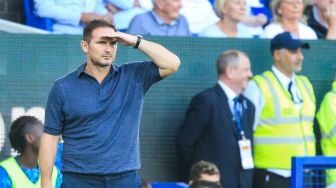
column 204, row 18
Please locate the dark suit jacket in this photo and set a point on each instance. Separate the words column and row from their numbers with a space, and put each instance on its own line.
column 319, row 29
column 209, row 133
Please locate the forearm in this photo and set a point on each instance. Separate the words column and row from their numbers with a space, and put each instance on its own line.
column 167, row 61
column 47, row 153
column 255, row 21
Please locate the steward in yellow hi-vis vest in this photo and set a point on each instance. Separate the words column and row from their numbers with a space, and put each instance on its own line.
column 19, row 179
column 283, row 131
column 285, row 109
column 326, row 118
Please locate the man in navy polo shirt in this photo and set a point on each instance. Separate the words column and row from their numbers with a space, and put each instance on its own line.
column 97, row 110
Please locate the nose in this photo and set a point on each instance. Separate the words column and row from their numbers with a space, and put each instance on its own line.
column 250, row 74
column 110, row 47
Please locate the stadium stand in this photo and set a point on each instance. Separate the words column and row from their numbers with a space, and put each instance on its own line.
column 36, row 21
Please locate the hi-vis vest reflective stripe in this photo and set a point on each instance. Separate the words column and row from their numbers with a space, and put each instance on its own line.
column 327, row 121
column 283, row 131
column 19, row 178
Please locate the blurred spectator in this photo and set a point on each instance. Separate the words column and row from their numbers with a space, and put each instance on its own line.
column 163, row 20
column 204, row 184
column 70, row 16
column 281, row 99
column 199, row 13
column 204, row 170
column 322, row 18
column 287, row 16
column 124, row 11
column 231, row 13
column 259, row 7
column 23, row 170
column 219, row 124
column 326, row 118
column 258, row 14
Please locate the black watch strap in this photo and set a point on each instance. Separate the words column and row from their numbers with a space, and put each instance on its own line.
column 138, row 41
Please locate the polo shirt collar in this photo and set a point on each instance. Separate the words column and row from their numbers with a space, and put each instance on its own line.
column 81, row 69
column 160, row 21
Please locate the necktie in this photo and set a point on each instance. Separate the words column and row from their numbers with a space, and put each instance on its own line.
column 290, row 90
column 237, row 112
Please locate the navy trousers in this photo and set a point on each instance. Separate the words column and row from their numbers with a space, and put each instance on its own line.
column 128, row 179
column 265, row 179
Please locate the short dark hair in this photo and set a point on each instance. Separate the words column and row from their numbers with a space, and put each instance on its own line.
column 203, row 167
column 20, row 127
column 228, row 58
column 204, row 184
column 87, row 32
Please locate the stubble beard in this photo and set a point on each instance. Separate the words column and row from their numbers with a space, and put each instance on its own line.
column 101, row 64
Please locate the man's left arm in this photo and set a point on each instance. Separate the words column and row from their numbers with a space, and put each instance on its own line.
column 254, row 94
column 167, row 62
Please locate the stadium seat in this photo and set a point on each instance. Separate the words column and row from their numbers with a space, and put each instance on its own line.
column 36, row 21
column 168, row 185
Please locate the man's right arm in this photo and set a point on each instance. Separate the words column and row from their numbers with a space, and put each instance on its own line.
column 54, row 117
column 197, row 118
column 47, row 154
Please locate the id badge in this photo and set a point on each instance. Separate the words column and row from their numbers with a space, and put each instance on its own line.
column 246, row 154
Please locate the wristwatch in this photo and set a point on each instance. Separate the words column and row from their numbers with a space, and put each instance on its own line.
column 139, row 37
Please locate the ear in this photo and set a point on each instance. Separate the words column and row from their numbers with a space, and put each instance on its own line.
column 160, row 4
column 277, row 55
column 85, row 46
column 279, row 10
column 30, row 138
column 229, row 72
column 224, row 8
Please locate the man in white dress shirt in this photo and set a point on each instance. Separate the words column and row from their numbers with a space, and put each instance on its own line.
column 70, row 16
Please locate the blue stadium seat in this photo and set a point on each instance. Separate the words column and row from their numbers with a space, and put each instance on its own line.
column 168, row 185
column 36, row 21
